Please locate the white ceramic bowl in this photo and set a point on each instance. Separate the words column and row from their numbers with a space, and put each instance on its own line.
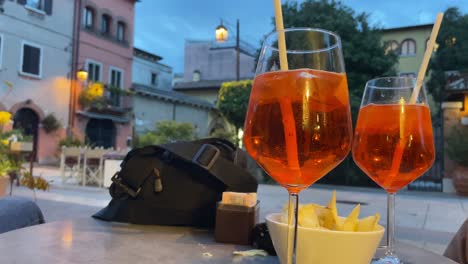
column 321, row 246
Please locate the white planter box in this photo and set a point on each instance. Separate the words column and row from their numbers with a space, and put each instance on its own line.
column 21, row 146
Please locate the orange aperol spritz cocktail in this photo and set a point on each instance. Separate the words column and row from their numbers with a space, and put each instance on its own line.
column 298, row 122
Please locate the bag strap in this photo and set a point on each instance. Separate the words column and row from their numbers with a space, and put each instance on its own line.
column 207, row 155
column 130, row 184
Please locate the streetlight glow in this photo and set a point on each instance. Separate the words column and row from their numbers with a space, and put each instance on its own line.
column 221, row 33
column 82, row 75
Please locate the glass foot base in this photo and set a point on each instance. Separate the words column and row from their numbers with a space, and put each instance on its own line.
column 387, row 260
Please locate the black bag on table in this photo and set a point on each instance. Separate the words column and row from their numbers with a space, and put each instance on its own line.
column 177, row 184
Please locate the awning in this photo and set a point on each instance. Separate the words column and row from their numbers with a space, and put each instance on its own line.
column 116, row 119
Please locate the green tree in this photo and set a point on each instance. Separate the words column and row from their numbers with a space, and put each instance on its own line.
column 233, row 100
column 452, row 52
column 167, row 132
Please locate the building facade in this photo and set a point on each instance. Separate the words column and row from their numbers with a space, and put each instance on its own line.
column 207, row 64
column 409, row 43
column 148, row 70
column 104, row 33
column 154, row 100
column 35, row 58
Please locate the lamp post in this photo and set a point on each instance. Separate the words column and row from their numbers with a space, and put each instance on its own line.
column 222, row 34
column 81, row 77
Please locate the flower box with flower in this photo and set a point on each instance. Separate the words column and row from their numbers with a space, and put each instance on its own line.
column 98, row 97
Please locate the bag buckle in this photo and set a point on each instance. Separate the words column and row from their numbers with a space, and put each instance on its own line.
column 206, row 156
column 115, row 179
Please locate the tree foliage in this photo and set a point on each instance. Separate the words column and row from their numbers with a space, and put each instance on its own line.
column 233, row 100
column 452, row 51
column 167, row 132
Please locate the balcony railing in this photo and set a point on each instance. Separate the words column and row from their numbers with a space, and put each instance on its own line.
column 118, row 99
column 109, row 100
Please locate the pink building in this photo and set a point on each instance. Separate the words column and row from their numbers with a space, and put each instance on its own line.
column 104, row 32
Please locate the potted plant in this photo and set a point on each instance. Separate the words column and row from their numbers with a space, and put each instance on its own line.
column 457, row 150
column 34, row 182
column 50, row 123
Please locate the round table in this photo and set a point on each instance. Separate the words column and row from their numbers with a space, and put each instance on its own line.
column 93, row 241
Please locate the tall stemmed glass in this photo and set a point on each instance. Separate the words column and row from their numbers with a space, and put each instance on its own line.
column 393, row 142
column 298, row 123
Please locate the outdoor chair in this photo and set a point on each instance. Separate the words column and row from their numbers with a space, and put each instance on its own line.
column 93, row 166
column 70, row 164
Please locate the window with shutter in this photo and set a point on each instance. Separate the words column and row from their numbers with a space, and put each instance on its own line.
column 88, row 18
column 36, row 4
column 94, row 71
column 115, row 81
column 105, row 24
column 31, row 60
column 48, row 7
column 116, row 77
column 120, row 31
column 154, row 79
column 408, row 47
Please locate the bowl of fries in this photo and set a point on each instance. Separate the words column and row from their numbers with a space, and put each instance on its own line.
column 325, row 237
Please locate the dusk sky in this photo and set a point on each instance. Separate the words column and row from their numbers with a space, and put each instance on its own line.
column 163, row 26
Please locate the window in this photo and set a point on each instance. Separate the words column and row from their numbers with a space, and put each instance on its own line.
column 196, row 76
column 154, row 79
column 88, row 18
column 116, row 81
column 31, row 60
column 115, row 77
column 408, row 47
column 120, row 31
column 105, row 24
column 94, row 71
column 391, row 45
column 36, row 4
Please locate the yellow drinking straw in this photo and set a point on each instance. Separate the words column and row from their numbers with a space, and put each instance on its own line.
column 427, row 57
column 286, row 102
column 400, row 147
column 281, row 38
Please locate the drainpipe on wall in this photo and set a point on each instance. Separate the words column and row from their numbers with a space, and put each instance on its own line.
column 74, row 66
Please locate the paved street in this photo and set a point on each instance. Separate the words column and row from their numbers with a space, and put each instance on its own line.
column 427, row 220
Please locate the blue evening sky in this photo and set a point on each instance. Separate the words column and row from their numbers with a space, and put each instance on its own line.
column 161, row 27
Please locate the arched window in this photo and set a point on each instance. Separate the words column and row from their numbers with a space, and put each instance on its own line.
column 105, row 24
column 121, row 27
column 408, row 47
column 391, row 45
column 88, row 18
column 196, row 76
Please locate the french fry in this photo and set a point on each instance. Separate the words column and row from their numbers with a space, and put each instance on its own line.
column 350, row 223
column 332, row 206
column 326, row 217
column 308, row 216
column 368, row 223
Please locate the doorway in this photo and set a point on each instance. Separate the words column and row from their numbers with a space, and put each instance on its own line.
column 27, row 121
column 101, row 133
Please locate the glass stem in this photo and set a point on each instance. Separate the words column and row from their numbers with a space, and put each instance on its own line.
column 292, row 227
column 390, row 224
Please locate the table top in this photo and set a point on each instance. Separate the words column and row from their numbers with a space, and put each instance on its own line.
column 93, row 241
